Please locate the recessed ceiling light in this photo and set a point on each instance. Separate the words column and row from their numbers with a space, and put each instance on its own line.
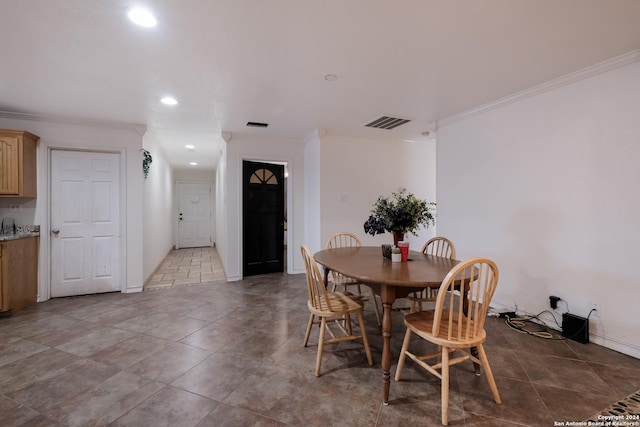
column 169, row 100
column 189, row 147
column 330, row 77
column 142, row 17
column 193, row 163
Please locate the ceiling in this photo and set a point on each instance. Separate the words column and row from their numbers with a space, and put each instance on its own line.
column 228, row 62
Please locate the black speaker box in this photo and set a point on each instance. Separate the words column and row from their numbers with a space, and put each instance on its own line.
column 575, row 328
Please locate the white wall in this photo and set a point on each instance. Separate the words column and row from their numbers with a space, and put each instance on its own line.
column 195, row 175
column 159, row 188
column 549, row 187
column 312, row 218
column 221, row 223
column 251, row 147
column 126, row 140
column 355, row 171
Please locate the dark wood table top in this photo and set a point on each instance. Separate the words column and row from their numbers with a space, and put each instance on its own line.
column 367, row 265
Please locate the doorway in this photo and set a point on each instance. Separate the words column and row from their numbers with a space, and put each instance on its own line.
column 263, row 216
column 194, row 215
column 85, row 222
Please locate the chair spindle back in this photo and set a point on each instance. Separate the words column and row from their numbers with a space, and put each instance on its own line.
column 315, row 281
column 475, row 280
column 440, row 246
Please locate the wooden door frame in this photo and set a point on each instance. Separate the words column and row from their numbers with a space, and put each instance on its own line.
column 44, row 281
column 288, row 166
column 212, row 217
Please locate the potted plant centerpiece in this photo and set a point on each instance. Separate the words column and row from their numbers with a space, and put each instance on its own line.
column 400, row 214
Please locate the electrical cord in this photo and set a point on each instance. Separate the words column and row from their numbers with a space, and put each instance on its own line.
column 518, row 324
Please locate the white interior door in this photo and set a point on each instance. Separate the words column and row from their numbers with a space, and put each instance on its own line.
column 85, row 224
column 194, row 214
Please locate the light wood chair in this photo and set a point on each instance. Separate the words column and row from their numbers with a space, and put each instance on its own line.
column 437, row 246
column 333, row 307
column 345, row 239
column 456, row 324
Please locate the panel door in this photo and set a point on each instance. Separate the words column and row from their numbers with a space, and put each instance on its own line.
column 194, row 215
column 263, row 218
column 9, row 165
column 85, row 223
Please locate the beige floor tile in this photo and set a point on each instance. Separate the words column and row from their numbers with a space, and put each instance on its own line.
column 215, row 353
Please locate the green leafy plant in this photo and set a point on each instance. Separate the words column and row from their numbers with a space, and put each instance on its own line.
column 146, row 161
column 403, row 212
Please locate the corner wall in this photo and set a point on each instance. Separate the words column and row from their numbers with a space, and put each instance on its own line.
column 549, row 187
column 158, row 208
column 77, row 135
column 354, row 171
column 251, row 147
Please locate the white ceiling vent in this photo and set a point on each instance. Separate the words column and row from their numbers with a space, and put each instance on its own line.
column 386, row 122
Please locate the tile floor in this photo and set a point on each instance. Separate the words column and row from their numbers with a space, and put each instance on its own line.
column 230, row 354
column 187, row 267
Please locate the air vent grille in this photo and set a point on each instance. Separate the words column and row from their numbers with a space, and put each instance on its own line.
column 386, row 122
column 257, row 124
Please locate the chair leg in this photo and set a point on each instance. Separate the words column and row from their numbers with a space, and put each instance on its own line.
column 365, row 340
column 403, row 353
column 414, row 305
column 323, row 325
column 347, row 321
column 489, row 374
column 308, row 333
column 445, row 386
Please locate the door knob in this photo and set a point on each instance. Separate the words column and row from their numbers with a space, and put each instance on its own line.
column 55, row 231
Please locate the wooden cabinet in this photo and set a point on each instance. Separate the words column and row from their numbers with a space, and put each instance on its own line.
column 17, row 163
column 18, row 273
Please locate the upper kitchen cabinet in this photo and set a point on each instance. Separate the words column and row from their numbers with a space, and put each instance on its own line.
column 17, row 163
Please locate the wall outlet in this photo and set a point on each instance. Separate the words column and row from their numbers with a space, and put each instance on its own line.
column 594, row 306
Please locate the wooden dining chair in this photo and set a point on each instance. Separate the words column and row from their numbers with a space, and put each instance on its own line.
column 330, row 307
column 345, row 239
column 455, row 325
column 437, row 246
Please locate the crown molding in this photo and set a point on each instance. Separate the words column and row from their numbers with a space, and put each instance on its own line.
column 590, row 71
column 136, row 127
column 227, row 136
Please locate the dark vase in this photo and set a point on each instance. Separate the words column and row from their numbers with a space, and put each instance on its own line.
column 386, row 251
column 398, row 236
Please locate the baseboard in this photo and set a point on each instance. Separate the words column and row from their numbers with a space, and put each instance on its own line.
column 594, row 338
column 155, row 270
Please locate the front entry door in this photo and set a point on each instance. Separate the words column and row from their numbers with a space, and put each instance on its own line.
column 194, row 214
column 263, row 218
column 85, row 223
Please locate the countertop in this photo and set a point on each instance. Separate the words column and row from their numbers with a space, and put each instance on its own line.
column 19, row 235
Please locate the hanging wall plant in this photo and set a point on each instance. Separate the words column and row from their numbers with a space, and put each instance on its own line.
column 146, row 162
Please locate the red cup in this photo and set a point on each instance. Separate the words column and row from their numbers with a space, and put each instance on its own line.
column 404, row 250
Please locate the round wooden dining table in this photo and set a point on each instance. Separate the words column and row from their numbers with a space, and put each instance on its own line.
column 389, row 280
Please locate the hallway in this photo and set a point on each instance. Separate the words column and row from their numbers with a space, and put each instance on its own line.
column 190, row 266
